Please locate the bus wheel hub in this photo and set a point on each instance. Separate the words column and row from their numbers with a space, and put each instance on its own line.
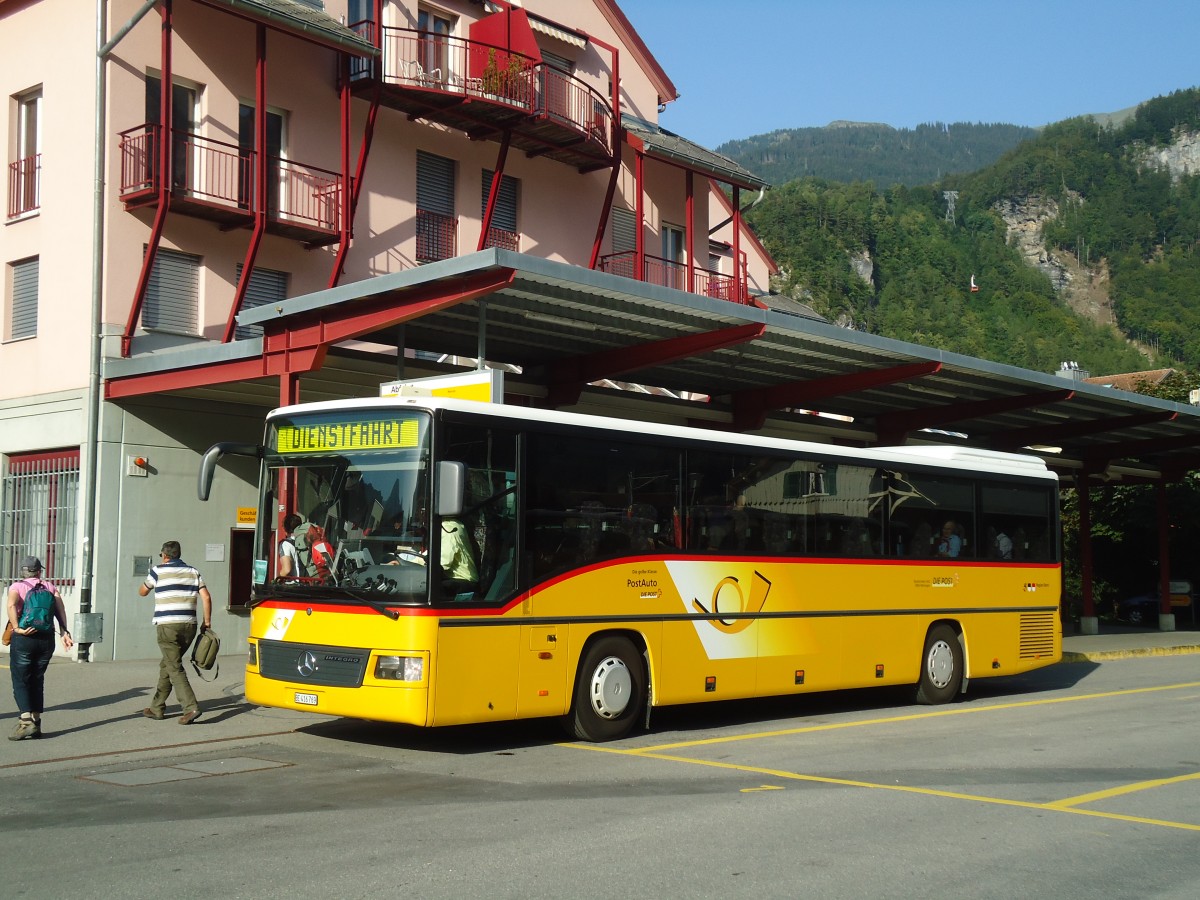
column 611, row 686
column 941, row 664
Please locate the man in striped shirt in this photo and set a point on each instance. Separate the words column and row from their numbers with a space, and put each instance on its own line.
column 177, row 586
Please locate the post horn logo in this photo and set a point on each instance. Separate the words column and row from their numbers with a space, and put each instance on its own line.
column 734, row 613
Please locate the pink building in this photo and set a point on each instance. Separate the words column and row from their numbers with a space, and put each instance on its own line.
column 304, row 148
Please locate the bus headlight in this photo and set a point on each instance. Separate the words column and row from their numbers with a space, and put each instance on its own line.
column 252, row 655
column 400, row 668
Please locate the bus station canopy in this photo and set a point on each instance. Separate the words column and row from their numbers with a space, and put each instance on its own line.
column 568, row 336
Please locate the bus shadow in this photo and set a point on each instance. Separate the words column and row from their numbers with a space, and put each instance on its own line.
column 493, row 737
column 792, row 711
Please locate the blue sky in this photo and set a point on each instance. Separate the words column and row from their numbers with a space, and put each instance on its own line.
column 759, row 65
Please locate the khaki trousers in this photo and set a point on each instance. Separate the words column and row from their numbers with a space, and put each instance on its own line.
column 173, row 641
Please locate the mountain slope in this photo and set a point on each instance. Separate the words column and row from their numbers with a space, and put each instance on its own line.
column 858, row 151
column 1082, row 242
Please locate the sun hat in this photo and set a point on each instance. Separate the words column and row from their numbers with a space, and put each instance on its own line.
column 32, row 563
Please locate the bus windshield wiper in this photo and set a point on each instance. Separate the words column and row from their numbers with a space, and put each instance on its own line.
column 363, row 597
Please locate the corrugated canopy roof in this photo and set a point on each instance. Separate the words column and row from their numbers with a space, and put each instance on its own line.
column 567, row 327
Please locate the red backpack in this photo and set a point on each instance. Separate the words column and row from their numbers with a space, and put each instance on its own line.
column 314, row 550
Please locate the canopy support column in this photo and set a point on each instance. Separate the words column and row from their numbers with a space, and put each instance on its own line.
column 1088, row 622
column 1166, row 614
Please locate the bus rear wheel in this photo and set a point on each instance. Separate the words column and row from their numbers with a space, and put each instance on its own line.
column 610, row 688
column 941, row 666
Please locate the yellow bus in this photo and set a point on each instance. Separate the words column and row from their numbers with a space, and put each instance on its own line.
column 461, row 562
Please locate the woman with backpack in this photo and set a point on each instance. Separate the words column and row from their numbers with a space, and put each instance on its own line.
column 33, row 608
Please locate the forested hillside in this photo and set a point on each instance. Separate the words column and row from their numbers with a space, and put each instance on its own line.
column 854, row 151
column 887, row 260
column 1121, row 205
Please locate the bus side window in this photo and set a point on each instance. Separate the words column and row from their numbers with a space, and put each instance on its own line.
column 489, row 510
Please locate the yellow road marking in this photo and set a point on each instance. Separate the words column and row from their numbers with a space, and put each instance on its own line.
column 956, row 711
column 1123, row 789
column 765, row 787
column 900, row 788
column 1068, row 805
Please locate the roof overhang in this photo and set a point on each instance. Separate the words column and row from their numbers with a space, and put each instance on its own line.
column 562, row 329
column 659, row 143
column 300, row 20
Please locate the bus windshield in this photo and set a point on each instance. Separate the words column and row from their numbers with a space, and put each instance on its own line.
column 346, row 507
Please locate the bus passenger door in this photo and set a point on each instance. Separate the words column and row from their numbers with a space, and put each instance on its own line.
column 542, row 685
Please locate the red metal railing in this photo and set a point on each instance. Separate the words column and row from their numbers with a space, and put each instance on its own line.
column 24, row 185
column 475, row 69
column 568, row 100
column 212, row 170
column 456, row 65
column 139, row 155
column 223, row 174
column 504, row 239
column 669, row 273
column 435, row 236
column 307, row 194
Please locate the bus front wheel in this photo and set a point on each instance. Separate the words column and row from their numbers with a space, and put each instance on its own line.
column 609, row 691
column 941, row 666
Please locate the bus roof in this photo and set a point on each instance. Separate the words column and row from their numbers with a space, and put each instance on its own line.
column 939, row 456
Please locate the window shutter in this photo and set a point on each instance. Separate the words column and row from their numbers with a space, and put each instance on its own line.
column 266, row 286
column 505, row 214
column 435, row 184
column 24, row 299
column 173, row 294
column 558, row 62
column 624, row 230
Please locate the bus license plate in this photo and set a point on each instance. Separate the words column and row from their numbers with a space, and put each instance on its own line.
column 306, row 699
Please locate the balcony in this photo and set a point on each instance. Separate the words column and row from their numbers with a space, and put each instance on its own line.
column 24, row 186
column 672, row 274
column 485, row 90
column 214, row 180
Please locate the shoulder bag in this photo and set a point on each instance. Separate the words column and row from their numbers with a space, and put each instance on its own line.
column 204, row 653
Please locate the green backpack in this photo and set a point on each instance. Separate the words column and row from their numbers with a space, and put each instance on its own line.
column 38, row 610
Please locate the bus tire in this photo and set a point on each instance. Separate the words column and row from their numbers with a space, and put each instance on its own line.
column 941, row 666
column 610, row 688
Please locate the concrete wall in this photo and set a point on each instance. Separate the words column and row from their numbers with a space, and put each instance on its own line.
column 140, row 512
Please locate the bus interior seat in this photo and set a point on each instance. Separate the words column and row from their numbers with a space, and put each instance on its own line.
column 500, row 585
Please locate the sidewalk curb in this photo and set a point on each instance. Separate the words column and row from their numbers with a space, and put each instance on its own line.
column 1102, row 655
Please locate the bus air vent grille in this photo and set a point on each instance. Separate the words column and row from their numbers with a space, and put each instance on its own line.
column 1037, row 635
column 312, row 664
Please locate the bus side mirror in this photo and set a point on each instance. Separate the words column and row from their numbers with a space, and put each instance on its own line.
column 452, row 480
column 208, row 464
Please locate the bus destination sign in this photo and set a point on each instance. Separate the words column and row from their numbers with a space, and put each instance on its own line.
column 386, row 434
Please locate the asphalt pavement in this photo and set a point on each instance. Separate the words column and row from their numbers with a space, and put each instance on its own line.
column 94, row 710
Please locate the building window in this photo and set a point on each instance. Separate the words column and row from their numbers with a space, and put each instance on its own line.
column 436, row 225
column 173, row 294
column 246, row 173
column 674, row 259
column 23, row 300
column 503, row 231
column 624, row 230
column 24, row 172
column 434, row 49
column 266, row 286
column 182, row 134
column 39, row 497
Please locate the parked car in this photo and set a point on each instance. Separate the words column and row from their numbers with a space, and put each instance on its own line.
column 1142, row 609
column 1139, row 610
